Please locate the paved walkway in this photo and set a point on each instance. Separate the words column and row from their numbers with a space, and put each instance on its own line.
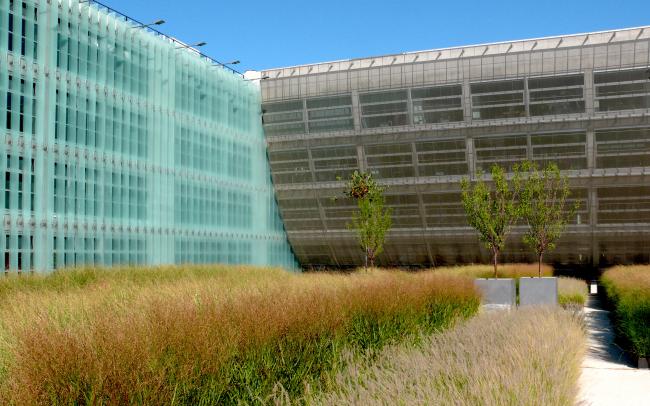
column 608, row 377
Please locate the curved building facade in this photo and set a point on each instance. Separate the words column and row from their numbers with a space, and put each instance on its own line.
column 124, row 146
column 421, row 121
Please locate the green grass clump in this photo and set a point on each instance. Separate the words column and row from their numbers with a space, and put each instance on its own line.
column 572, row 292
column 628, row 287
column 206, row 335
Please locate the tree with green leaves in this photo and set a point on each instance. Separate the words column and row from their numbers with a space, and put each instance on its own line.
column 492, row 211
column 544, row 207
column 372, row 220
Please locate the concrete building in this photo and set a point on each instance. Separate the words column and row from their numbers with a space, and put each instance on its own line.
column 123, row 146
column 420, row 121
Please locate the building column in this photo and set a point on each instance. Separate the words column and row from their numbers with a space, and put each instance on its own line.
column 526, row 97
column 593, row 222
column 361, row 159
column 467, row 101
column 589, row 92
column 409, row 106
column 471, row 163
column 356, row 112
column 591, row 150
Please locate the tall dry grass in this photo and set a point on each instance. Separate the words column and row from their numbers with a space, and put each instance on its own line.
column 628, row 287
column 524, row 357
column 196, row 335
column 504, row 271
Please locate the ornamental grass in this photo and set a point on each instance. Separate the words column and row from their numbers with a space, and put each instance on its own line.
column 628, row 288
column 572, row 292
column 205, row 335
column 504, row 271
column 524, row 357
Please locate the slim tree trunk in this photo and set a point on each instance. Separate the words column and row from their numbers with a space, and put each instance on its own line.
column 366, row 263
column 495, row 254
column 371, row 255
column 539, row 265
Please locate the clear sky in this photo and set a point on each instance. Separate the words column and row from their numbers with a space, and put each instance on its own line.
column 277, row 33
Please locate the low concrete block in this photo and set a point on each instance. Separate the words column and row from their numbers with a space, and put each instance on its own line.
column 538, row 291
column 497, row 292
column 643, row 363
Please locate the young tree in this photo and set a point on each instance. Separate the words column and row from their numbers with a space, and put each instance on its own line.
column 545, row 208
column 373, row 220
column 492, row 212
column 360, row 184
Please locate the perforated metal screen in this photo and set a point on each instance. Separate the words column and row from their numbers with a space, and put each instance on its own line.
column 423, row 120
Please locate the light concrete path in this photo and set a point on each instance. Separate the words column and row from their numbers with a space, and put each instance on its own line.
column 608, row 377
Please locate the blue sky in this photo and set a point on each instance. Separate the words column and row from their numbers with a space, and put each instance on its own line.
column 268, row 34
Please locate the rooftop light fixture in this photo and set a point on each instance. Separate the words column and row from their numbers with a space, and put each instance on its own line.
column 198, row 44
column 157, row 22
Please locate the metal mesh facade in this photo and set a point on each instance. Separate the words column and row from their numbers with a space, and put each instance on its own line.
column 121, row 148
column 421, row 121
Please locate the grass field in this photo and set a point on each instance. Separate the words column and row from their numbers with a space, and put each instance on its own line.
column 504, row 271
column 205, row 335
column 628, row 287
column 524, row 357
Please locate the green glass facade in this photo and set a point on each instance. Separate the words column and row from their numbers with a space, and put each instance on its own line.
column 121, row 148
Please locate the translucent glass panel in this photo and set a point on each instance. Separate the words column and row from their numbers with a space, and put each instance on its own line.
column 18, row 251
column 196, row 148
column 120, row 148
column 622, row 89
column 19, row 183
column 212, row 251
column 441, row 158
column 79, row 118
column 21, row 27
column 498, row 99
column 390, row 160
column 384, row 109
column 441, row 104
column 567, row 150
column 630, row 204
column 623, row 147
column 556, row 95
column 21, row 104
